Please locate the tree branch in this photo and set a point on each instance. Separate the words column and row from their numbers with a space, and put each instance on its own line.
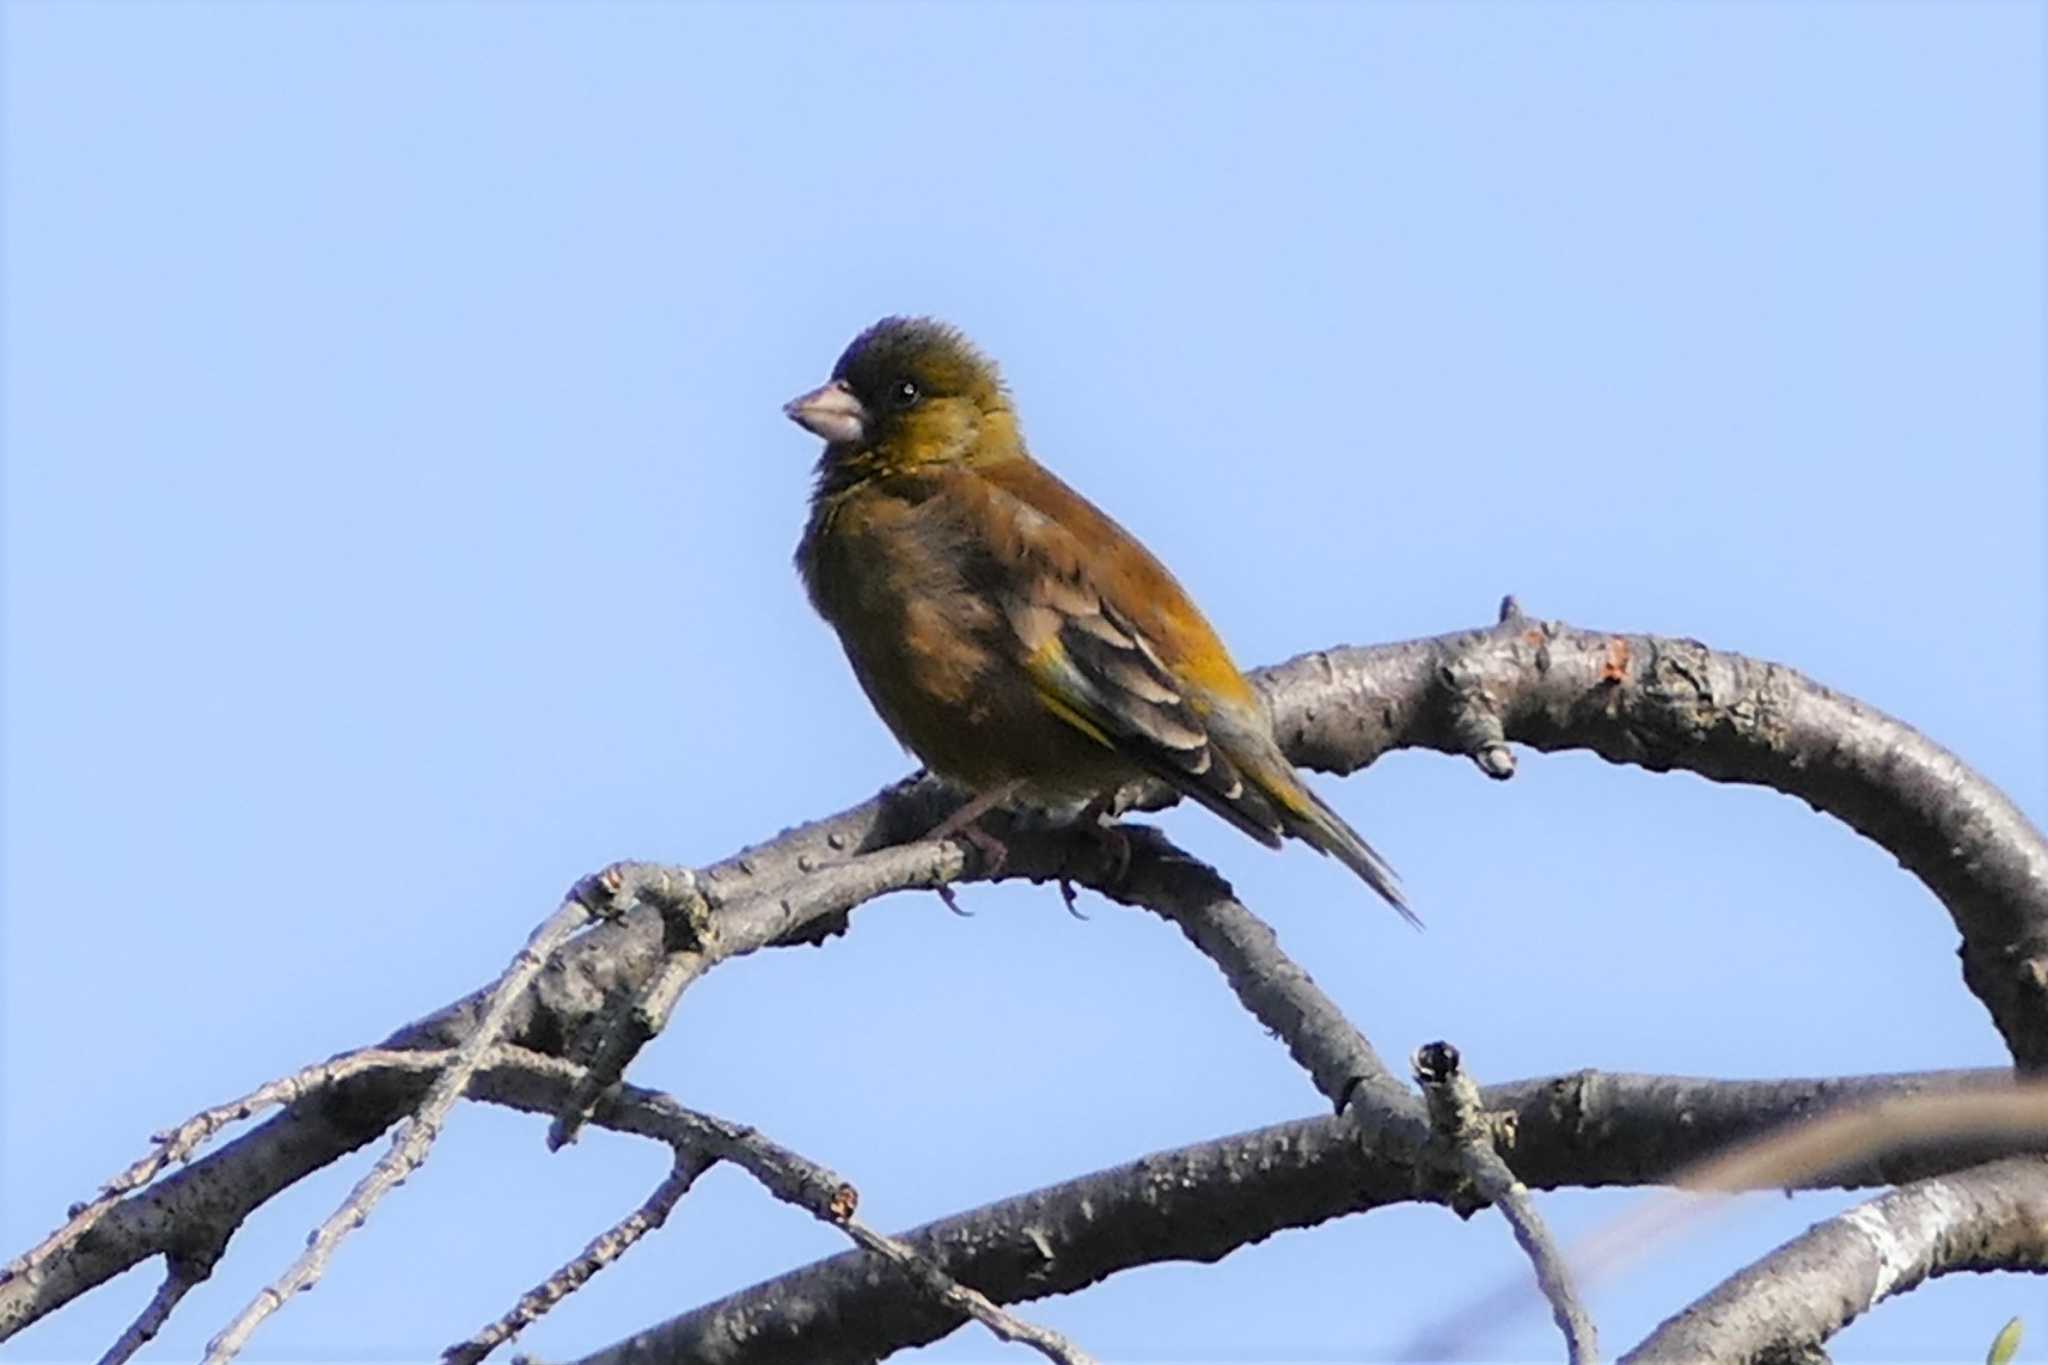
column 180, row 1277
column 1655, row 702
column 1663, row 703
column 1279, row 994
column 1993, row 1217
column 414, row 1140
column 543, row 1084
column 1201, row 1202
column 1460, row 1118
column 1449, row 1136
column 607, row 1247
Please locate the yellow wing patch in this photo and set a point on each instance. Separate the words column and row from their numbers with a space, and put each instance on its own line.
column 1046, row 664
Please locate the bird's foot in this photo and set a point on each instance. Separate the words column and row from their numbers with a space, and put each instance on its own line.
column 1116, row 848
column 994, row 854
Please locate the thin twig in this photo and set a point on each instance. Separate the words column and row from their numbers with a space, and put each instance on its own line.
column 415, row 1136
column 603, row 1250
column 179, row 1277
column 796, row 1179
column 1460, row 1119
column 697, row 1139
column 179, row 1143
column 789, row 1176
column 972, row 1303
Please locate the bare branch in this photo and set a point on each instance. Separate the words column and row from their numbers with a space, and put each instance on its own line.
column 1279, row 994
column 1663, row 703
column 1460, row 1118
column 1652, row 701
column 409, row 1148
column 1201, row 1202
column 603, row 1250
column 208, row 1199
column 785, row 912
column 689, row 934
column 1656, row 702
column 1345, row 1067
column 1803, row 1154
column 179, row 1143
column 1993, row 1217
column 800, row 1181
column 179, row 1278
column 540, row 1083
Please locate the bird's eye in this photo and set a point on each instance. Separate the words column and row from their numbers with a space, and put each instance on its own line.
column 904, row 394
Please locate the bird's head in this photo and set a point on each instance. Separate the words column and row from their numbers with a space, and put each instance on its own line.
column 909, row 392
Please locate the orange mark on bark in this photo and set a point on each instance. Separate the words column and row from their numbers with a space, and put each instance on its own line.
column 844, row 1200
column 1614, row 668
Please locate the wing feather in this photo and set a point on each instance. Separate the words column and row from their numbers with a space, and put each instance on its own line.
column 1095, row 632
column 1095, row 670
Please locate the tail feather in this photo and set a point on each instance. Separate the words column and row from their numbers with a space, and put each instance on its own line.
column 1262, row 795
column 1316, row 825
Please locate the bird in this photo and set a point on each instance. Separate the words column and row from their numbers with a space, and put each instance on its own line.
column 1024, row 646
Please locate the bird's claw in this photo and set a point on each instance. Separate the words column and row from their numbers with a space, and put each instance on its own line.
column 1115, row 843
column 1067, row 895
column 992, row 852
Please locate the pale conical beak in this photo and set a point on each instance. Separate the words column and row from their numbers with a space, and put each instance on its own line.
column 831, row 412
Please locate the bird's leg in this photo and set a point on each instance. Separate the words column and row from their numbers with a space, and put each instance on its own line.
column 961, row 823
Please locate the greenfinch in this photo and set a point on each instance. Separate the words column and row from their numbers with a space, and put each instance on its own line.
column 1023, row 645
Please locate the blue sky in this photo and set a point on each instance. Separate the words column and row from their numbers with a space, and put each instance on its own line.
column 398, row 519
